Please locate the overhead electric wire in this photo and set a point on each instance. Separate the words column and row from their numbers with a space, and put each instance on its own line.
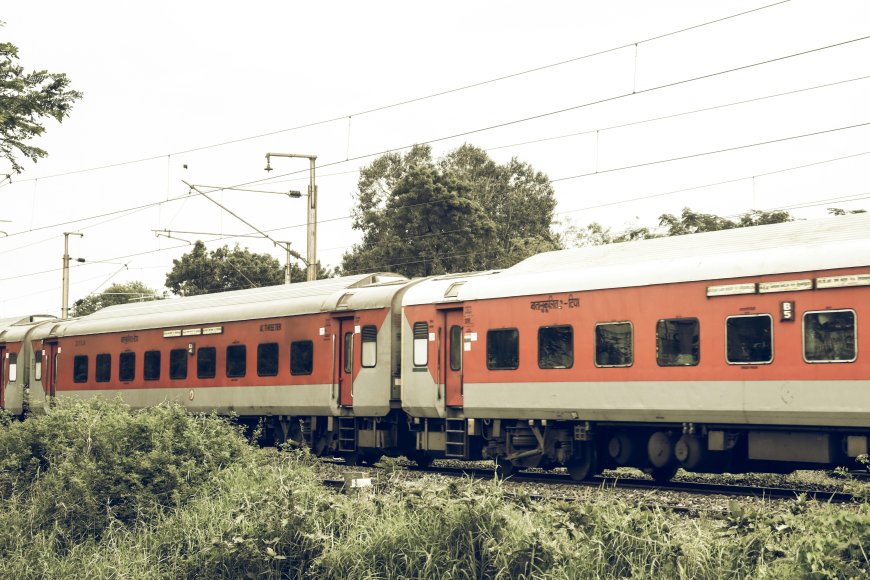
column 412, row 100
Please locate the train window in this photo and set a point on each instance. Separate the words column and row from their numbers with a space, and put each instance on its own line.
column 749, row 339
column 455, row 348
column 421, row 344
column 178, row 363
column 206, row 362
column 151, row 365
column 103, row 372
column 13, row 367
column 236, row 360
column 348, row 352
column 267, row 359
column 127, row 366
column 830, row 337
column 502, row 349
column 369, row 355
column 555, row 347
column 37, row 365
column 80, row 369
column 614, row 344
column 678, row 342
column 301, row 357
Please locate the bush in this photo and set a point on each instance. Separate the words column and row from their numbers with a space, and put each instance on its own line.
column 85, row 466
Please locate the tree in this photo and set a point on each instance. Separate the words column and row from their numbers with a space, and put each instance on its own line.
column 115, row 294
column 689, row 222
column 26, row 98
column 463, row 213
column 222, row 269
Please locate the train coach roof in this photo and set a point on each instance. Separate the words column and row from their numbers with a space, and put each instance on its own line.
column 799, row 246
column 359, row 292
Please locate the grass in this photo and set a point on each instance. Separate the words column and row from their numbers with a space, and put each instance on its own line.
column 99, row 491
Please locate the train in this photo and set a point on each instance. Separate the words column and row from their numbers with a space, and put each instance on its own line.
column 727, row 351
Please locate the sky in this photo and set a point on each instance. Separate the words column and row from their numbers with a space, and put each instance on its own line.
column 633, row 109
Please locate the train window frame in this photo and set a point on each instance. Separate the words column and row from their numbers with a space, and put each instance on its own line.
column 347, row 352
column 176, row 355
column 103, row 368
column 595, row 348
column 296, row 352
column 13, row 367
column 236, row 363
column 201, row 359
column 127, row 367
column 420, row 344
column 489, row 334
column 267, row 352
column 659, row 360
column 854, row 336
column 455, row 347
column 37, row 365
column 80, row 375
column 570, row 346
column 149, row 365
column 727, row 344
column 369, row 354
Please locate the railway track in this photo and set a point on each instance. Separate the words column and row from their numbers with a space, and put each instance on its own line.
column 609, row 482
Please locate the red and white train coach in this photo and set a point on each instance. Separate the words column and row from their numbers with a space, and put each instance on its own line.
column 318, row 361
column 729, row 350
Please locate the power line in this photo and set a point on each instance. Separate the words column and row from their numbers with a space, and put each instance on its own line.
column 412, row 100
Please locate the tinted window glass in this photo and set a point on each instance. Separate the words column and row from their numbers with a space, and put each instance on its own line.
column 678, row 342
column 80, row 369
column 348, row 352
column 455, row 348
column 236, row 360
column 749, row 339
column 421, row 344
column 151, row 365
column 301, row 357
column 369, row 355
column 103, row 373
column 267, row 359
column 178, row 363
column 503, row 349
column 127, row 366
column 206, row 362
column 829, row 336
column 613, row 345
column 555, row 347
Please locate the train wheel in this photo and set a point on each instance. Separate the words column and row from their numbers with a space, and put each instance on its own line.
column 663, row 474
column 421, row 458
column 584, row 463
column 504, row 468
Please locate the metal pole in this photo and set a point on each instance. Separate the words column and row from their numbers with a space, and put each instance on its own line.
column 312, row 226
column 64, row 308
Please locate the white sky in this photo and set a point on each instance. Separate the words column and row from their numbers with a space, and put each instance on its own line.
column 160, row 78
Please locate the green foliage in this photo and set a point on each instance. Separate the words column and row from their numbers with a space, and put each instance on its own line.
column 461, row 213
column 115, row 294
column 87, row 467
column 26, row 98
column 689, row 222
column 203, row 272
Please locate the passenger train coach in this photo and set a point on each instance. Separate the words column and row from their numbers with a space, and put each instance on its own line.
column 725, row 351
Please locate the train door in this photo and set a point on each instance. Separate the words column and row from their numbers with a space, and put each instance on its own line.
column 344, row 361
column 49, row 377
column 451, row 357
column 2, row 377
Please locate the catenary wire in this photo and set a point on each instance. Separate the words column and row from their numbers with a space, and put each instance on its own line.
column 412, row 100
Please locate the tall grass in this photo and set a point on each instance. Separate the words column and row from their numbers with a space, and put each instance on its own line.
column 169, row 495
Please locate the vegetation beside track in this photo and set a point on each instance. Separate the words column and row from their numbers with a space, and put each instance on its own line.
column 100, row 491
